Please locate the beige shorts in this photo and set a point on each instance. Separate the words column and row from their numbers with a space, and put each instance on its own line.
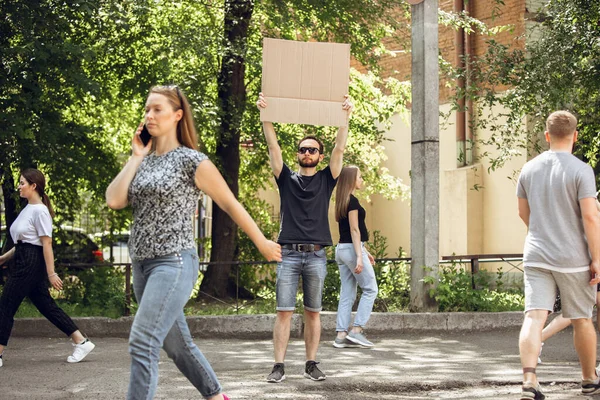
column 576, row 294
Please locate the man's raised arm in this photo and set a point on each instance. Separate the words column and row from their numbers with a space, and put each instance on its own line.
column 275, row 156
column 337, row 155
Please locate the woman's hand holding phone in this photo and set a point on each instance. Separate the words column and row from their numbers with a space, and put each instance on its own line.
column 137, row 145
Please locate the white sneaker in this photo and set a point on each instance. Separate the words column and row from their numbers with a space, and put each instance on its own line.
column 0, row 361
column 81, row 350
column 540, row 355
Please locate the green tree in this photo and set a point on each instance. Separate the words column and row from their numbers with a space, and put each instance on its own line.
column 74, row 79
column 72, row 85
column 363, row 24
column 558, row 69
column 44, row 85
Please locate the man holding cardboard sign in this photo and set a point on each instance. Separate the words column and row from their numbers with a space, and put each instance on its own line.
column 304, row 83
column 303, row 235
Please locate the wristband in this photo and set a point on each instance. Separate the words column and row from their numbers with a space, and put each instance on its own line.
column 51, row 275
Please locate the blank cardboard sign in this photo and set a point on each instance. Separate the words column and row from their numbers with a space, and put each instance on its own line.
column 305, row 82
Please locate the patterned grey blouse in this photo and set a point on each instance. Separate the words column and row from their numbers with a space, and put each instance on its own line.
column 164, row 197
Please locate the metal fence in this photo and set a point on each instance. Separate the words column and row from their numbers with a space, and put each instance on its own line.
column 510, row 264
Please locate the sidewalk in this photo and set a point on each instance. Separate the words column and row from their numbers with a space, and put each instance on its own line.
column 409, row 364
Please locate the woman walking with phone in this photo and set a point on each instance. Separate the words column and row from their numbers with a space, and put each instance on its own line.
column 34, row 267
column 162, row 182
column 354, row 262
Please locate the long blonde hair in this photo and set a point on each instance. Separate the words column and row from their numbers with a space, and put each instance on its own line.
column 186, row 130
column 346, row 184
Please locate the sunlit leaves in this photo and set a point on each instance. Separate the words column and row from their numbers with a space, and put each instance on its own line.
column 560, row 69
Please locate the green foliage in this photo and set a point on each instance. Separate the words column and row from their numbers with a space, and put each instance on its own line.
column 393, row 279
column 258, row 278
column 96, row 288
column 258, row 306
column 455, row 292
column 362, row 23
column 332, row 285
column 90, row 293
column 558, row 69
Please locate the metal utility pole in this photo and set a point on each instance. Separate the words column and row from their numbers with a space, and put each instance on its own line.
column 425, row 164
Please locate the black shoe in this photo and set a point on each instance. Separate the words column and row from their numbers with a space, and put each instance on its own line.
column 529, row 393
column 277, row 374
column 311, row 371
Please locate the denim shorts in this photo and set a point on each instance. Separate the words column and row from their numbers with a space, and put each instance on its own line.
column 312, row 267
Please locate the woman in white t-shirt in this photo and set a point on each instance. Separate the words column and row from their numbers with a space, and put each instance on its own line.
column 33, row 267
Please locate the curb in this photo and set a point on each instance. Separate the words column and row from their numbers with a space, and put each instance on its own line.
column 261, row 326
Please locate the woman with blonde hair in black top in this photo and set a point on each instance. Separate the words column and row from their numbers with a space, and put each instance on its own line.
column 354, row 262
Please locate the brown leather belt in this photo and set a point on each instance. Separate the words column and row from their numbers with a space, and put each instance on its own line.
column 302, row 247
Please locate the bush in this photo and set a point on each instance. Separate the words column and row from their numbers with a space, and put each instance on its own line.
column 393, row 279
column 98, row 290
column 455, row 291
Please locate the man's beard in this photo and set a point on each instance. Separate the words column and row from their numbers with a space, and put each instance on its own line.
column 308, row 163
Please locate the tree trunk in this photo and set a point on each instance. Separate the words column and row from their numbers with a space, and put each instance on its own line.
column 10, row 204
column 10, row 213
column 232, row 96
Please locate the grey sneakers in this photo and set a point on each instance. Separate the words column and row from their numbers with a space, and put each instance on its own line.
column 277, row 374
column 81, row 351
column 343, row 343
column 359, row 338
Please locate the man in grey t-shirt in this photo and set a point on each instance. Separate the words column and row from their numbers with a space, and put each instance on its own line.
column 556, row 194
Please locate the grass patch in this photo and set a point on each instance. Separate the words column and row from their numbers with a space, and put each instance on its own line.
column 28, row 310
column 257, row 306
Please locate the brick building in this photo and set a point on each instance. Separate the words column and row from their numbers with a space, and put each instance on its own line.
column 483, row 221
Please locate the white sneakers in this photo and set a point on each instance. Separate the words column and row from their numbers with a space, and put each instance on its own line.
column 81, row 350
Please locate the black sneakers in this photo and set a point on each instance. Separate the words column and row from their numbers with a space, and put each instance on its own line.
column 277, row 374
column 530, row 393
column 311, row 371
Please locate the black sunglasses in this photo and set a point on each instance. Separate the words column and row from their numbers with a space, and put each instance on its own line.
column 311, row 150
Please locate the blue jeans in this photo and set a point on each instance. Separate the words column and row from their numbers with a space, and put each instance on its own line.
column 345, row 256
column 162, row 287
column 312, row 266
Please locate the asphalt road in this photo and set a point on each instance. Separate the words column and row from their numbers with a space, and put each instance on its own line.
column 471, row 365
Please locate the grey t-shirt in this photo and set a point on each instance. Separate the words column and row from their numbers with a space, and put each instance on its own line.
column 553, row 183
column 164, row 197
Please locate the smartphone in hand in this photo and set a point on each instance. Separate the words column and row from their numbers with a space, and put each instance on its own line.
column 145, row 135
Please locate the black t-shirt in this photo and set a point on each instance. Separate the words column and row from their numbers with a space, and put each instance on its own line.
column 305, row 206
column 344, row 223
